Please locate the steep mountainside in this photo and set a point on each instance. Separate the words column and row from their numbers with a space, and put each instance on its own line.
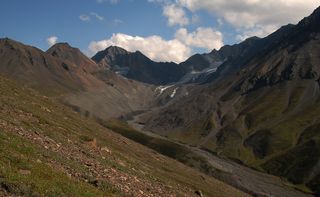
column 116, row 97
column 67, row 53
column 35, row 68
column 119, row 96
column 78, row 81
column 138, row 67
column 196, row 69
column 260, row 108
column 48, row 150
column 199, row 62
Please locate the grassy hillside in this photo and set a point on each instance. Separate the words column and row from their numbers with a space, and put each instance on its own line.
column 48, row 150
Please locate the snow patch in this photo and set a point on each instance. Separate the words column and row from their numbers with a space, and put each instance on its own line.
column 163, row 88
column 174, row 92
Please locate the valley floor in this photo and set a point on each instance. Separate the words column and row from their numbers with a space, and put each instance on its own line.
column 242, row 177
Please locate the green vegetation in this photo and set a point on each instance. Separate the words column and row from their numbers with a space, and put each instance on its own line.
column 24, row 171
column 48, row 150
column 165, row 147
column 276, row 131
column 171, row 149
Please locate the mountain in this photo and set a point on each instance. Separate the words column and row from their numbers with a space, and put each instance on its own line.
column 260, row 108
column 139, row 67
column 200, row 62
column 196, row 69
column 40, row 70
column 116, row 97
column 198, row 66
column 66, row 73
column 48, row 150
column 109, row 55
column 65, row 52
column 201, row 67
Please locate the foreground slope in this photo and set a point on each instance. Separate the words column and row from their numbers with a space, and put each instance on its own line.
column 262, row 110
column 48, row 150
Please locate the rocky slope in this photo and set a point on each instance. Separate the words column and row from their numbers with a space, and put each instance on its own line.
column 68, row 53
column 40, row 70
column 66, row 73
column 260, row 107
column 48, row 150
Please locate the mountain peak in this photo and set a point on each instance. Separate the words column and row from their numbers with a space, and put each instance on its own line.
column 66, row 52
column 109, row 54
column 115, row 50
column 9, row 41
column 62, row 46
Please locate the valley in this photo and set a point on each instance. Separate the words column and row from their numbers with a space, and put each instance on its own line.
column 235, row 174
column 243, row 120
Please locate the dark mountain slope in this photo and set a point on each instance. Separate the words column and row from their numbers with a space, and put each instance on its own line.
column 260, row 108
column 138, row 67
column 196, row 69
column 199, row 62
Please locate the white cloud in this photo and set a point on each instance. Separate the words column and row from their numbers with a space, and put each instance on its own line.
column 176, row 15
column 97, row 16
column 52, row 40
column 159, row 49
column 155, row 47
column 87, row 18
column 259, row 31
column 202, row 38
column 84, row 18
column 249, row 16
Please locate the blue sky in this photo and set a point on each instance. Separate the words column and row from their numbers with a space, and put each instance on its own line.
column 165, row 30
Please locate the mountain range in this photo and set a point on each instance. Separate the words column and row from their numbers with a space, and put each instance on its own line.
column 259, row 108
column 255, row 104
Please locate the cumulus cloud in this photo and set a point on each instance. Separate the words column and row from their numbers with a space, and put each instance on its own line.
column 155, row 47
column 206, row 38
column 175, row 14
column 254, row 16
column 52, row 40
column 159, row 49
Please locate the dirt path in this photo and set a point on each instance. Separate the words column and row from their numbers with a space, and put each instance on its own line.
column 242, row 177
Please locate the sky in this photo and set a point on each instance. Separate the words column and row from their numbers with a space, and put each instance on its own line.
column 164, row 30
